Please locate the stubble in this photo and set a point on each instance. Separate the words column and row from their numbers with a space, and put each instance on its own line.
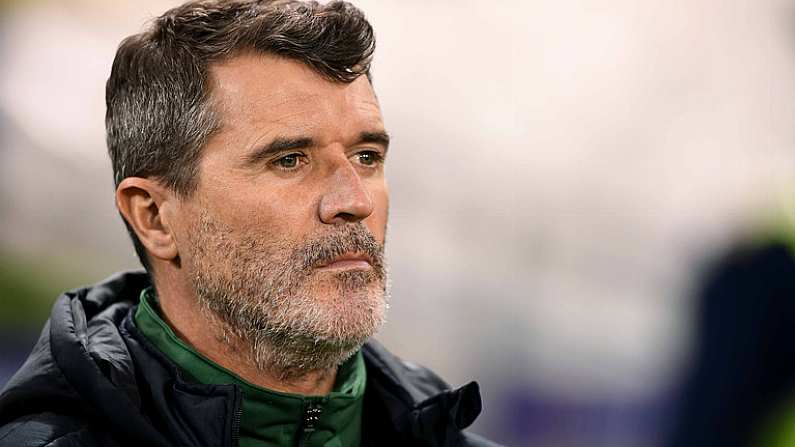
column 270, row 302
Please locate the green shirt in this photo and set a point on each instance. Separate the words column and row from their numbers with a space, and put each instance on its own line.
column 269, row 418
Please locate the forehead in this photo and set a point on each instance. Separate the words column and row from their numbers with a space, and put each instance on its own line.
column 269, row 94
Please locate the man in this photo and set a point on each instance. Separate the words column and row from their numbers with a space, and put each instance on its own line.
column 739, row 389
column 248, row 150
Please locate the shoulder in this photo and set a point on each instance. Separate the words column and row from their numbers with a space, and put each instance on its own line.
column 421, row 403
column 50, row 430
column 418, row 381
column 473, row 440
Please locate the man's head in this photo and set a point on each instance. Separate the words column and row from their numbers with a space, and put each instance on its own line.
column 247, row 146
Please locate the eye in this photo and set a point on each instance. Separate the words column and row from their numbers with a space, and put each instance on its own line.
column 369, row 158
column 289, row 161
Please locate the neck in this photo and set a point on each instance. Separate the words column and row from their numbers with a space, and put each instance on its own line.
column 181, row 311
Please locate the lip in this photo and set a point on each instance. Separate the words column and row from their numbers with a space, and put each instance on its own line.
column 347, row 261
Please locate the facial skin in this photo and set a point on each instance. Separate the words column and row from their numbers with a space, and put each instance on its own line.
column 273, row 267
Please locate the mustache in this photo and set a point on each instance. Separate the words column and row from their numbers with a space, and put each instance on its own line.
column 350, row 238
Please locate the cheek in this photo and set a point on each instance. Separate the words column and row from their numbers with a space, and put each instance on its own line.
column 268, row 209
column 376, row 222
column 182, row 225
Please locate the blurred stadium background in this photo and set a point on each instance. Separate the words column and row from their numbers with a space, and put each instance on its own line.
column 561, row 171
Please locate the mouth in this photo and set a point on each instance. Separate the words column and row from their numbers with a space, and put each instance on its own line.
column 347, row 261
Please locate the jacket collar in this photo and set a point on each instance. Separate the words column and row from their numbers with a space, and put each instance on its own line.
column 422, row 408
column 112, row 373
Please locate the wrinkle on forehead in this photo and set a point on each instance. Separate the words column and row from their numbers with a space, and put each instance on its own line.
column 280, row 89
column 259, row 97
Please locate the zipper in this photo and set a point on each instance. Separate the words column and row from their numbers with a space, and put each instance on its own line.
column 312, row 412
column 236, row 417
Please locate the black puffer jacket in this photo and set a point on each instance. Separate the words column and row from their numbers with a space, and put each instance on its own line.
column 94, row 380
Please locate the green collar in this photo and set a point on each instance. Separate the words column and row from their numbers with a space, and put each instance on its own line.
column 269, row 417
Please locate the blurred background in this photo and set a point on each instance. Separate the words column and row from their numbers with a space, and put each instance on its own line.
column 562, row 175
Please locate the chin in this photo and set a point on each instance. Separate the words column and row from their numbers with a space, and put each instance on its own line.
column 350, row 313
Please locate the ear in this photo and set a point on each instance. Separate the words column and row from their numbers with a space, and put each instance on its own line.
column 145, row 203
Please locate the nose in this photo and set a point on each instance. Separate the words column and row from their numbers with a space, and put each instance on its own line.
column 346, row 199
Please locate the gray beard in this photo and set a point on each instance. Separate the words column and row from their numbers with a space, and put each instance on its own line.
column 267, row 299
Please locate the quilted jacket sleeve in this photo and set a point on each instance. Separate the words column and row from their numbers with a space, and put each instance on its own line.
column 51, row 430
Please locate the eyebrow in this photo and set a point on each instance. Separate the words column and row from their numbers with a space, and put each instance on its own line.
column 281, row 144
column 379, row 137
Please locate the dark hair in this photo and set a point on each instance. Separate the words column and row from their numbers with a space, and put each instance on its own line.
column 159, row 107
